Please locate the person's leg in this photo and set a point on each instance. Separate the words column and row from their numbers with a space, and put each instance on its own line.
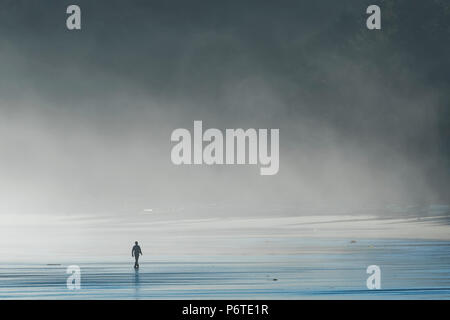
column 136, row 257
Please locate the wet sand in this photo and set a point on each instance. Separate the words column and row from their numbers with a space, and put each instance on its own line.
column 332, row 268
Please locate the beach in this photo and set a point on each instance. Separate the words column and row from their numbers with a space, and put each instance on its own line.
column 327, row 269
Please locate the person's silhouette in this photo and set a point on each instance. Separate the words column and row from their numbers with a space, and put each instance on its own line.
column 135, row 252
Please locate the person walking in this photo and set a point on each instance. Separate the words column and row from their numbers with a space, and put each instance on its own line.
column 135, row 252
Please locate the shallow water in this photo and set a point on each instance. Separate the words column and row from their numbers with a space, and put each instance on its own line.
column 324, row 269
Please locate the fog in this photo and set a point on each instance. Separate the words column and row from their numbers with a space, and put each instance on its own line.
column 86, row 116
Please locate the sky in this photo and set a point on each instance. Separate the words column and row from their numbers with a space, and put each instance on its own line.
column 86, row 116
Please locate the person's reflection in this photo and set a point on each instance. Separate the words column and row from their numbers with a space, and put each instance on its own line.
column 136, row 283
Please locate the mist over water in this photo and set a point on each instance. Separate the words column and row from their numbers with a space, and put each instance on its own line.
column 86, row 117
